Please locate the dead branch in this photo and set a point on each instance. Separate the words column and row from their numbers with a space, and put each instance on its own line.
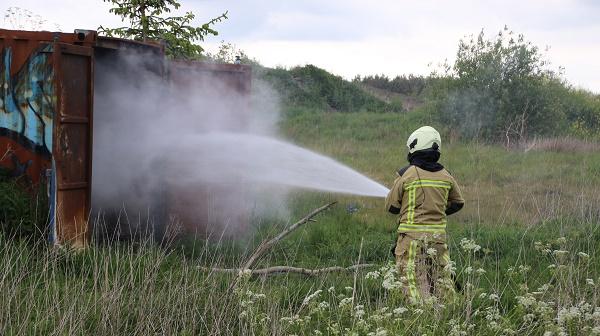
column 267, row 244
column 262, row 249
column 288, row 269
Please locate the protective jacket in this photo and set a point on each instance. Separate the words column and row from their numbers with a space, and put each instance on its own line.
column 423, row 199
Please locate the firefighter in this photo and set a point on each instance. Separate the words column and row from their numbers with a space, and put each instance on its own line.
column 424, row 193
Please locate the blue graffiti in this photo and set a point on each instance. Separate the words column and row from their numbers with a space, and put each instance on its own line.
column 27, row 101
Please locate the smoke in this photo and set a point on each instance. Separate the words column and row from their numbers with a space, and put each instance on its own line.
column 144, row 134
column 196, row 150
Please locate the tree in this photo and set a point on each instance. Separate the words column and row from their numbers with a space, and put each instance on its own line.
column 501, row 88
column 147, row 23
column 23, row 19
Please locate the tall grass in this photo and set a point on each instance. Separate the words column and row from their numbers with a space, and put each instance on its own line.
column 529, row 281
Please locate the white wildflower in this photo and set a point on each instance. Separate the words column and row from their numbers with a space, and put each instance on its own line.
column 450, row 267
column 528, row 318
column 524, row 269
column 431, row 252
column 311, row 296
column 469, row 270
column 566, row 315
column 331, row 290
column 494, row 297
column 583, row 255
column 480, row 271
column 324, row 305
column 246, row 273
column 345, row 302
column 560, row 253
column 590, row 282
column 469, row 245
column 544, row 288
column 400, row 311
column 526, row 301
column 373, row 275
column 380, row 332
column 389, row 279
column 376, row 318
column 359, row 311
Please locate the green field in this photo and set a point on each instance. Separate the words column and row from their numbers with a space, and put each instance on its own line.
column 525, row 247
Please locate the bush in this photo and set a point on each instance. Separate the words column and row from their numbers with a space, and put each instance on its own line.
column 409, row 85
column 313, row 88
column 23, row 213
column 501, row 89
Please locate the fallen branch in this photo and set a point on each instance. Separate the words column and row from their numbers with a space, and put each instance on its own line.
column 267, row 244
column 262, row 249
column 287, row 269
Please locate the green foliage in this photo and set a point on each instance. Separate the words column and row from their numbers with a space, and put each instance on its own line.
column 148, row 23
column 582, row 110
column 23, row 213
column 314, row 88
column 408, row 85
column 500, row 88
column 229, row 53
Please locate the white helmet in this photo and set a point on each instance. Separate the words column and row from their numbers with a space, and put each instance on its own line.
column 425, row 137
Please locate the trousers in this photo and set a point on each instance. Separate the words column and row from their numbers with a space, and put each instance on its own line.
column 424, row 262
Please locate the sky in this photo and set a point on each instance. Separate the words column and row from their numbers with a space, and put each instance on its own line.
column 357, row 37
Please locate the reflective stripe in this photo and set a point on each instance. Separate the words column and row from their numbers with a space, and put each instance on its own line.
column 410, row 216
column 420, row 230
column 428, row 183
column 411, row 267
column 423, row 185
column 423, row 226
column 420, row 227
column 426, row 224
column 446, row 257
column 447, row 273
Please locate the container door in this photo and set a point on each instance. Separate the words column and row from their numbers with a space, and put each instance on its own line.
column 72, row 142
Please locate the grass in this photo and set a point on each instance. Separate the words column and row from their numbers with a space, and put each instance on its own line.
column 525, row 249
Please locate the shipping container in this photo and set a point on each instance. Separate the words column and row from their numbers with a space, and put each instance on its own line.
column 47, row 88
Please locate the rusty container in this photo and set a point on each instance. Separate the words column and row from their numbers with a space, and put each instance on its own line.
column 46, row 121
column 46, row 118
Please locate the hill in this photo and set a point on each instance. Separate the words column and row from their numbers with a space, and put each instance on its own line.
column 312, row 88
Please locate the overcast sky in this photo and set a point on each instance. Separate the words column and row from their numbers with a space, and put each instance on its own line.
column 351, row 37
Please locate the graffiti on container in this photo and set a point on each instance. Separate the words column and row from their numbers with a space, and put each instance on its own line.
column 27, row 101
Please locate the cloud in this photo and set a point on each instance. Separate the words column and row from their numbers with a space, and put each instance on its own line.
column 352, row 37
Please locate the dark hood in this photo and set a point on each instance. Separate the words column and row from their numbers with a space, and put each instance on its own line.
column 426, row 159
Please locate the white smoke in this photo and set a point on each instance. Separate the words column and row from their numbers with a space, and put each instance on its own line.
column 198, row 149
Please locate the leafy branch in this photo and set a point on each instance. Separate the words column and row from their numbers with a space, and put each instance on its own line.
column 146, row 22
